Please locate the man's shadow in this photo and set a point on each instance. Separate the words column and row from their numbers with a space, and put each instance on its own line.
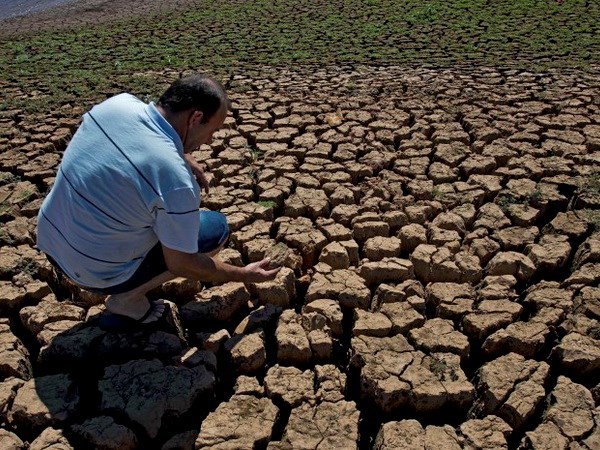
column 88, row 387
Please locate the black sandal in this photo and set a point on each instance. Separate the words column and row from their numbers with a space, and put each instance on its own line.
column 117, row 322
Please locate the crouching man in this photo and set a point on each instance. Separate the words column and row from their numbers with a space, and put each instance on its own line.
column 123, row 215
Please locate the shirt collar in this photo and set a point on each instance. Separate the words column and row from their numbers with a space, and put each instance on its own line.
column 164, row 125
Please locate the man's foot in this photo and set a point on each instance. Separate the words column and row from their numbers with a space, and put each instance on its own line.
column 140, row 310
column 154, row 316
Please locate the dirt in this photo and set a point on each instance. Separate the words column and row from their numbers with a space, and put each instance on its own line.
column 78, row 13
column 439, row 234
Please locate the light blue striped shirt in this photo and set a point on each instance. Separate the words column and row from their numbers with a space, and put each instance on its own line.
column 122, row 186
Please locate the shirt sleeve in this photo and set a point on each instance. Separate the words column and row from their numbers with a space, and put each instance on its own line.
column 178, row 220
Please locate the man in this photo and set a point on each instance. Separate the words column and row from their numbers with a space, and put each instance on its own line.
column 122, row 216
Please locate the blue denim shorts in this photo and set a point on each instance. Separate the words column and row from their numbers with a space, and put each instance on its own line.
column 213, row 233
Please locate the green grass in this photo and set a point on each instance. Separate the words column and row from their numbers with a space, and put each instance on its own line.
column 267, row 203
column 593, row 217
column 4, row 208
column 7, row 177
column 591, row 184
column 24, row 195
column 28, row 266
column 256, row 154
column 226, row 36
column 440, row 369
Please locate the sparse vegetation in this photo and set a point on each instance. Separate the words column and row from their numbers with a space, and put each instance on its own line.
column 255, row 153
column 267, row 203
column 4, row 208
column 442, row 370
column 593, row 216
column 226, row 37
column 505, row 200
column 534, row 196
column 23, row 196
column 7, row 178
column 29, row 267
column 591, row 184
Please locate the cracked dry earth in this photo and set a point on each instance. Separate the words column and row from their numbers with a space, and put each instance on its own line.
column 440, row 287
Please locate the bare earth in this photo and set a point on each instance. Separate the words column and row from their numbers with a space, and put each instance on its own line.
column 439, row 232
column 85, row 12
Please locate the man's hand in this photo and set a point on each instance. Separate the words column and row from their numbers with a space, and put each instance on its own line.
column 259, row 271
column 198, row 266
column 197, row 171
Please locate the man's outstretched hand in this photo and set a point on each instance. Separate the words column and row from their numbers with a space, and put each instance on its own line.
column 259, row 271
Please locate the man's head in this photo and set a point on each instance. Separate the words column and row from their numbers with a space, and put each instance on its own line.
column 196, row 106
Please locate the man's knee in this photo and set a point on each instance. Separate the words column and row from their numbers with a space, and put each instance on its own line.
column 213, row 233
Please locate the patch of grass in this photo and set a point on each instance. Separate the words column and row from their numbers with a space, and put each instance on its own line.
column 225, row 36
column 255, row 153
column 5, row 208
column 592, row 184
column 506, row 200
column 428, row 13
column 23, row 196
column 28, row 266
column 7, row 178
column 593, row 216
column 441, row 370
column 267, row 203
column 534, row 196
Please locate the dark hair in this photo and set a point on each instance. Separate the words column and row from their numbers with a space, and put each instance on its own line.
column 195, row 91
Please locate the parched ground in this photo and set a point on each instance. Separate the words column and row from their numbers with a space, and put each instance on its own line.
column 440, row 231
column 74, row 14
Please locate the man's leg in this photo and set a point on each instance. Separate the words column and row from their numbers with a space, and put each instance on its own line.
column 135, row 304
column 212, row 237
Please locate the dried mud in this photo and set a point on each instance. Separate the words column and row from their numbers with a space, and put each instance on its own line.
column 440, row 288
column 82, row 13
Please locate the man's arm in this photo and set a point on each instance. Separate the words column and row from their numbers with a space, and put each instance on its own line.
column 198, row 266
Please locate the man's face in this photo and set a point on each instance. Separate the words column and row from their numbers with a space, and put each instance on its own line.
column 202, row 133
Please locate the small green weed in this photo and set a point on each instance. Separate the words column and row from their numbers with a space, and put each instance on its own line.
column 506, row 200
column 440, row 369
column 423, row 14
column 28, row 266
column 4, row 208
column 592, row 184
column 256, row 153
column 23, row 196
column 534, row 196
column 593, row 216
column 7, row 178
column 267, row 203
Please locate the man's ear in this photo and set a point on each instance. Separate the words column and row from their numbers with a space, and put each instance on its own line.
column 197, row 117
